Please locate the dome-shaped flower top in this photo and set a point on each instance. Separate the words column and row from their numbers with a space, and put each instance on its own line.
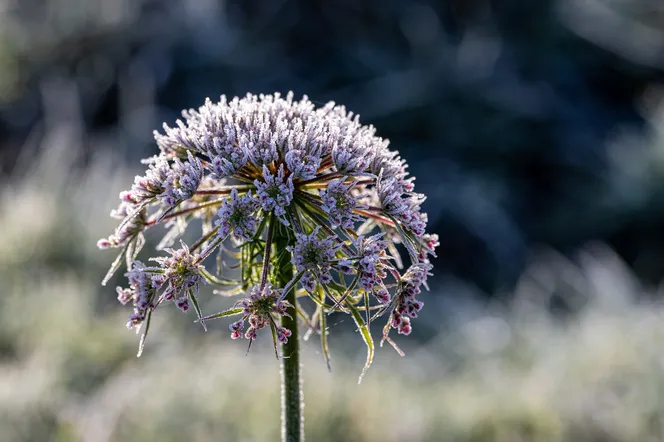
column 263, row 167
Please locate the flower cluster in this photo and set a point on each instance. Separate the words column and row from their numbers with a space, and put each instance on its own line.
column 142, row 292
column 404, row 208
column 151, row 185
column 237, row 214
column 339, row 203
column 313, row 257
column 261, row 308
column 129, row 230
column 372, row 264
column 275, row 192
column 406, row 306
column 177, row 279
column 181, row 276
column 300, row 188
column 183, row 181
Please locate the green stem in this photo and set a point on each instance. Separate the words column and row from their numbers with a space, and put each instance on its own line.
column 292, row 396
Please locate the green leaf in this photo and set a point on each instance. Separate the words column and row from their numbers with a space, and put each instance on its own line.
column 366, row 335
column 406, row 240
column 200, row 241
column 261, row 227
column 323, row 340
column 167, row 211
column 116, row 265
column 273, row 327
column 135, row 213
column 140, row 242
column 337, row 303
column 319, row 302
column 366, row 308
column 210, row 248
column 348, row 291
column 194, row 301
column 218, row 280
column 141, row 343
column 336, row 287
column 289, row 286
column 229, row 312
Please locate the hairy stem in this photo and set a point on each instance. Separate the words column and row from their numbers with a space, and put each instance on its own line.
column 225, row 190
column 292, row 396
column 185, row 211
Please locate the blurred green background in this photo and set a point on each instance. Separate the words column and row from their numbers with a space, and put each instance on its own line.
column 535, row 128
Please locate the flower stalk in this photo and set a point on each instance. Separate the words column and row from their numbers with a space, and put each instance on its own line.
column 292, row 394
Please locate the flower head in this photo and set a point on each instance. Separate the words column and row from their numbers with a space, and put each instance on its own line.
column 181, row 274
column 176, row 279
column 311, row 189
column 261, row 308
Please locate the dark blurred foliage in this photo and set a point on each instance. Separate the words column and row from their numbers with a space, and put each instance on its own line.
column 504, row 109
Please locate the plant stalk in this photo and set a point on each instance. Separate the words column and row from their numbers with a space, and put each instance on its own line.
column 292, row 395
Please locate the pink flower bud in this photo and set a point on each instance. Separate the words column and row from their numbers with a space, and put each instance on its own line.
column 103, row 243
column 182, row 304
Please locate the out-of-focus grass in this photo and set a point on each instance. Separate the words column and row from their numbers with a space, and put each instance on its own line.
column 68, row 370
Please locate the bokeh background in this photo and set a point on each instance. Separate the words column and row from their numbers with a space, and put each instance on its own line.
column 535, row 128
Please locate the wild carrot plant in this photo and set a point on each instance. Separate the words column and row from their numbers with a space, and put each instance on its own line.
column 301, row 211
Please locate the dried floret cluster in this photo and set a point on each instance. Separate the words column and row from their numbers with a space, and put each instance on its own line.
column 275, row 182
